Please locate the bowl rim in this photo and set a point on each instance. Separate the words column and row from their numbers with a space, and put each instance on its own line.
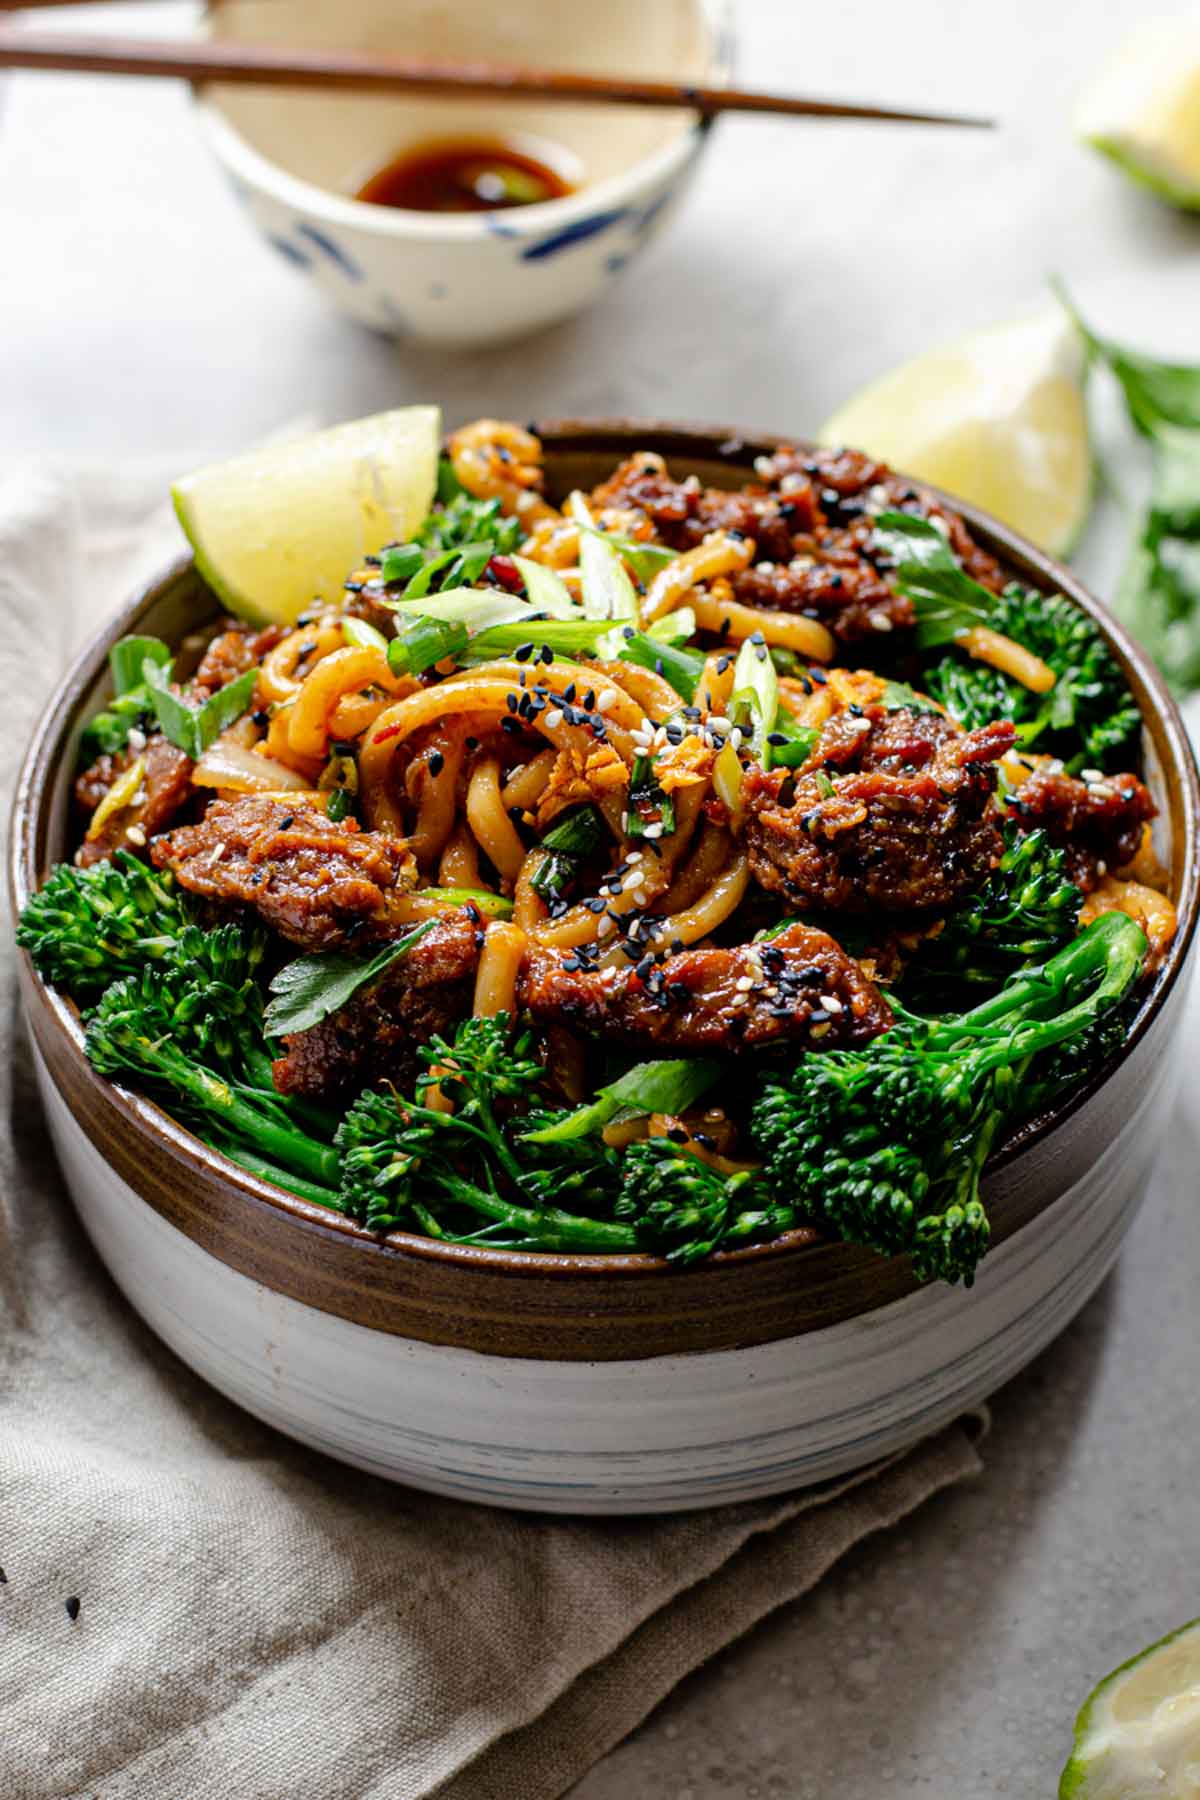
column 256, row 169
column 703, row 443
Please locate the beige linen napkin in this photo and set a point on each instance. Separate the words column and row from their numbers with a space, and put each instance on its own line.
column 255, row 1622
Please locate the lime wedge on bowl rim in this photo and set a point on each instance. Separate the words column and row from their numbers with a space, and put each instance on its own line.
column 1143, row 109
column 998, row 419
column 1138, row 1735
column 276, row 528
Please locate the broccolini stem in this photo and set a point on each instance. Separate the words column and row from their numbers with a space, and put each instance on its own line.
column 547, row 1228
column 282, row 1177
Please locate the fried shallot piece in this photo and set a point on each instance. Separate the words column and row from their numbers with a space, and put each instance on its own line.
column 799, row 986
column 906, row 828
column 376, row 1036
column 314, row 882
column 1099, row 822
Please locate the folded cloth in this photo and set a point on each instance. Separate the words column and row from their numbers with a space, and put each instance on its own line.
column 194, row 1606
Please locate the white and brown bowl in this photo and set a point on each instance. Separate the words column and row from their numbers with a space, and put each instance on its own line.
column 605, row 1384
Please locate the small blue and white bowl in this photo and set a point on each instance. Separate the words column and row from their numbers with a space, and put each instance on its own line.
column 297, row 157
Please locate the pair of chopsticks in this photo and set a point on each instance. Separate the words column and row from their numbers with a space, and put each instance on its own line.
column 269, row 65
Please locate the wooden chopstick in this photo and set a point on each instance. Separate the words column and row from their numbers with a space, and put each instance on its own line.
column 269, row 65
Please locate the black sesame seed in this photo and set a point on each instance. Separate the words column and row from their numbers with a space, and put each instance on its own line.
column 437, row 762
column 510, row 700
column 677, row 1134
column 287, row 823
column 71, row 1604
column 523, row 652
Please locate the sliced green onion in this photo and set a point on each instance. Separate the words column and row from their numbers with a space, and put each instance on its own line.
column 574, row 835
column 648, row 805
column 401, row 562
column 362, row 635
column 608, row 592
column 682, row 668
column 426, row 642
column 800, row 744
column 755, row 697
column 126, row 657
column 476, row 608
column 646, row 560
column 565, row 637
column 651, row 1087
column 547, row 591
column 678, row 627
column 492, row 906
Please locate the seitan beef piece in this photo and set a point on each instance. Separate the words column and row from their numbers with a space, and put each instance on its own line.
column 236, row 648
column 165, row 788
column 1099, row 822
column 811, row 514
column 892, row 812
column 315, row 882
column 375, row 1038
column 798, row 987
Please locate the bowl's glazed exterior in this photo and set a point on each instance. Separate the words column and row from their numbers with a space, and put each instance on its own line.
column 599, row 1384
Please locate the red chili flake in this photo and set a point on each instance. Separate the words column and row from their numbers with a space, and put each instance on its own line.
column 505, row 571
column 389, row 731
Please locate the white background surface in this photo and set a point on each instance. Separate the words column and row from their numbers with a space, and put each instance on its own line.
column 139, row 314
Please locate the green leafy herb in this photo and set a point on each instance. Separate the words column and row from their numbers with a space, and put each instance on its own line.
column 309, row 989
column 898, row 696
column 127, row 656
column 792, row 744
column 193, row 729
column 646, row 560
column 1159, row 594
column 946, row 600
column 107, row 732
column 1156, row 393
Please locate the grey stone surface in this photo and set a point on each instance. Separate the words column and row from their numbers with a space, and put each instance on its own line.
column 139, row 314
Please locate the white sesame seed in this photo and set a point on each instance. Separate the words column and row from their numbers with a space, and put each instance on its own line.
column 606, row 700
column 554, row 718
column 718, row 722
column 831, row 1003
column 1101, row 867
column 744, row 983
column 604, row 926
column 640, row 897
column 136, row 835
column 766, row 568
column 634, row 856
column 653, row 831
column 763, row 466
column 624, row 821
column 878, row 619
column 136, row 739
column 1084, row 774
column 735, row 737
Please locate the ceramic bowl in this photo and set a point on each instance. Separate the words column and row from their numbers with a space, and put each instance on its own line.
column 596, row 1384
column 297, row 158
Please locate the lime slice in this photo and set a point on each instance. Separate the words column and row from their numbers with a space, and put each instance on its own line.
column 997, row 418
column 1143, row 109
column 1138, row 1736
column 275, row 529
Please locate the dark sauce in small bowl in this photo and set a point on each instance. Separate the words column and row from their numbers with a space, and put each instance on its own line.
column 464, row 175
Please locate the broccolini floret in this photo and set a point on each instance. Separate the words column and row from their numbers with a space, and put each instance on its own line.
column 88, row 927
column 885, row 1145
column 153, row 1028
column 683, row 1209
column 1026, row 908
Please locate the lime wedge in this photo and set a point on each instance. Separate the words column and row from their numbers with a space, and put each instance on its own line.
column 997, row 418
column 1138, row 1736
column 1143, row 109
column 281, row 526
